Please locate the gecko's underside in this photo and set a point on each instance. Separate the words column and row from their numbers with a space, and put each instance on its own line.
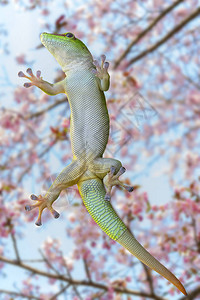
column 89, row 129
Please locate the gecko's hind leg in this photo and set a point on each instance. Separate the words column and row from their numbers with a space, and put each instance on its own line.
column 109, row 169
column 112, row 179
column 68, row 177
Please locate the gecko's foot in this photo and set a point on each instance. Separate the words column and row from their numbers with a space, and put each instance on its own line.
column 110, row 180
column 41, row 203
column 35, row 80
column 101, row 70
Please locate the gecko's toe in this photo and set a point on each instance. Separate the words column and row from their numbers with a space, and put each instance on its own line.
column 34, row 197
column 27, row 84
column 28, row 207
column 55, row 214
column 29, row 71
column 129, row 188
column 21, row 74
column 106, row 65
column 132, row 188
column 96, row 63
column 107, row 197
column 38, row 223
column 38, row 74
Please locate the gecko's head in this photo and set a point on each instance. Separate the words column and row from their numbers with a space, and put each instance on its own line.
column 67, row 49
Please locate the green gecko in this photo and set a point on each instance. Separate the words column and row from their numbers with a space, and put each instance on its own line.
column 84, row 84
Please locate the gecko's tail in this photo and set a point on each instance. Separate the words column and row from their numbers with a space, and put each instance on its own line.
column 93, row 192
column 128, row 241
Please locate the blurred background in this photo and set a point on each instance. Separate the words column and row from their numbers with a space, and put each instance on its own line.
column 153, row 48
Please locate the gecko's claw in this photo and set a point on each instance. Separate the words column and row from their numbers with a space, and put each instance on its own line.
column 41, row 203
column 110, row 180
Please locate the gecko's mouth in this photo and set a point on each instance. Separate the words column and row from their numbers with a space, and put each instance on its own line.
column 48, row 37
column 45, row 38
column 50, row 42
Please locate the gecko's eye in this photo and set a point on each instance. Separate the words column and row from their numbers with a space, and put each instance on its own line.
column 69, row 34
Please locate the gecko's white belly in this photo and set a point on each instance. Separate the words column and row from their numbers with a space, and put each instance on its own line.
column 89, row 125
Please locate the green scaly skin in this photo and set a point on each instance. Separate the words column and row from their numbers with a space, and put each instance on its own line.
column 93, row 193
column 84, row 86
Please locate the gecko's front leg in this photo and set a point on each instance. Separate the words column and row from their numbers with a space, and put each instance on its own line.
column 69, row 176
column 48, row 88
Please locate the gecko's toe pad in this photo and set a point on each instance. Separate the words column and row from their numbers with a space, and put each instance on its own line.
column 55, row 214
column 129, row 188
column 107, row 197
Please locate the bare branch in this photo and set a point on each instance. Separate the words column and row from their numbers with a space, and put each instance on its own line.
column 145, row 31
column 21, row 295
column 15, row 246
column 87, row 270
column 166, row 37
column 77, row 282
column 33, row 260
column 70, row 276
column 196, row 238
column 48, row 108
column 149, row 278
column 60, row 292
column 46, row 150
column 48, row 262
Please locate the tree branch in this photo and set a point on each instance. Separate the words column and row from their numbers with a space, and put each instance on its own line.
column 166, row 37
column 70, row 277
column 19, row 295
column 60, row 292
column 194, row 226
column 46, row 150
column 15, row 246
column 87, row 270
column 48, row 108
column 77, row 282
column 10, row 225
column 145, row 31
column 149, row 278
column 48, row 263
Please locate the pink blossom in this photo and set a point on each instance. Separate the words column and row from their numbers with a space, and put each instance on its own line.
column 21, row 59
column 65, row 123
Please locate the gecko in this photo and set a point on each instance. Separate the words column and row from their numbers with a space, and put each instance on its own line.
column 84, row 85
